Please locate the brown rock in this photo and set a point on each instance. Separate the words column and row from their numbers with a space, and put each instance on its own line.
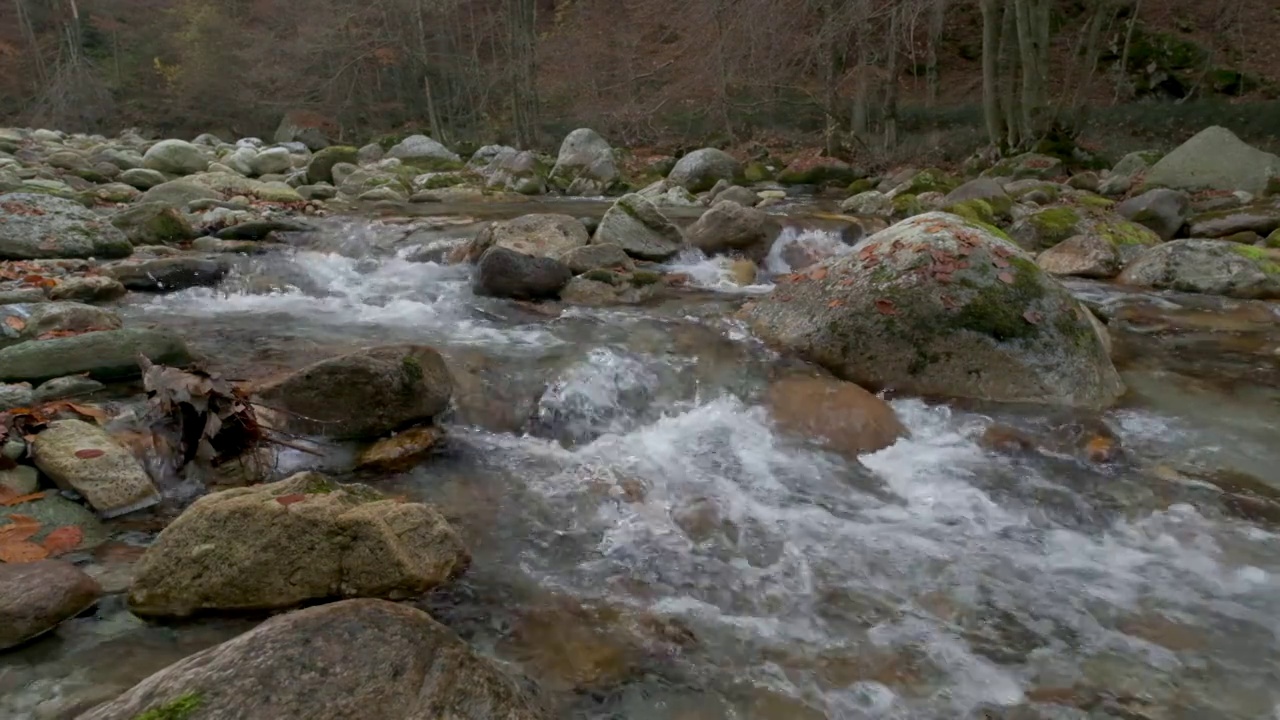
column 402, row 450
column 842, row 415
column 351, row 660
column 36, row 596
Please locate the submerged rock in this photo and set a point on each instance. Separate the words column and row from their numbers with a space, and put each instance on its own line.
column 53, row 511
column 107, row 355
column 401, row 451
column 838, row 414
column 1213, row 267
column 34, row 226
column 281, row 544
column 364, row 394
column 347, row 660
column 635, row 225
column 169, row 274
column 35, row 597
column 82, row 457
column 510, row 274
column 938, row 306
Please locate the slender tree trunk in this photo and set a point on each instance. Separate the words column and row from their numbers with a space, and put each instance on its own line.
column 937, row 21
column 1032, row 18
column 891, row 82
column 29, row 33
column 437, row 130
column 1124, row 54
column 991, row 21
column 1009, row 73
column 522, row 19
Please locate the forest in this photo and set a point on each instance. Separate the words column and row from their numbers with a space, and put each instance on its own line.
column 875, row 78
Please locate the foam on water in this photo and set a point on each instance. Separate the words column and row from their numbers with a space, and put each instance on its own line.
column 334, row 289
column 712, row 273
column 805, row 242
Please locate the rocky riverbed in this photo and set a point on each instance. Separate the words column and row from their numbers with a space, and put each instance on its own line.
column 930, row 446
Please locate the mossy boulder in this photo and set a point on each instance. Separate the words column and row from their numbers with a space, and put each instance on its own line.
column 1213, row 267
column 282, row 544
column 701, row 169
column 349, row 660
column 1272, row 240
column 821, row 171
column 928, row 181
column 906, row 205
column 153, row 223
column 868, row 202
column 981, row 197
column 320, row 167
column 938, row 306
column 756, row 172
column 1045, row 228
column 640, row 229
column 1027, row 165
column 1164, row 211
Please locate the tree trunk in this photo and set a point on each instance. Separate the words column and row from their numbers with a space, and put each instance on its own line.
column 937, row 21
column 991, row 21
column 1008, row 74
column 891, row 82
column 1124, row 54
column 522, row 18
column 1032, row 17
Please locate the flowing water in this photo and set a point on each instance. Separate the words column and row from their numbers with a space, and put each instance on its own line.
column 647, row 545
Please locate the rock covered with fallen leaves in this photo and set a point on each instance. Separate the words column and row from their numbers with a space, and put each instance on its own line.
column 81, row 456
column 36, row 596
column 363, row 394
column 349, row 660
column 286, row 543
column 939, row 306
column 43, row 226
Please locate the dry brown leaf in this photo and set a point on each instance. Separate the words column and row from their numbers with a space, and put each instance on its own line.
column 288, row 500
column 1006, row 278
column 886, row 307
column 21, row 552
column 90, row 453
column 15, row 322
column 19, row 499
column 63, row 540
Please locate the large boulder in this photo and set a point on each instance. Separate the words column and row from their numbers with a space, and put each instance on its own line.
column 585, row 164
column 178, row 193
column 82, row 457
column 36, row 596
column 1215, row 159
column 982, row 198
column 423, row 153
column 728, row 227
column 837, row 414
column 595, row 256
column 21, row 322
column 506, row 273
column 153, row 223
column 700, row 169
column 349, row 660
column 286, row 543
column 363, row 394
column 639, row 228
column 520, row 172
column 107, row 355
column 1164, row 211
column 542, row 235
column 309, row 128
column 175, row 157
column 271, row 161
column 1213, row 267
column 36, row 226
column 940, row 306
column 1045, row 228
column 320, row 167
column 1091, row 256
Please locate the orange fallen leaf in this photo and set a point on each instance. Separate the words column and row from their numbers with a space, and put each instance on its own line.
column 835, row 303
column 21, row 552
column 90, row 411
column 1006, row 278
column 20, row 528
column 15, row 322
column 19, row 499
column 886, row 307
column 818, row 273
column 1032, row 317
column 999, row 262
column 90, row 453
column 63, row 540
column 288, row 500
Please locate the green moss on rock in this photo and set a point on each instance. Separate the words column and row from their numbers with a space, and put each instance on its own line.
column 997, row 310
column 1124, row 232
column 180, row 708
column 641, row 278
column 1059, row 222
column 1273, row 240
column 860, row 186
column 1259, row 256
column 906, row 205
column 756, row 172
column 1095, row 201
column 976, row 210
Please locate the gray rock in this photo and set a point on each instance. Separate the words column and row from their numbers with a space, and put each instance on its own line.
column 271, row 161
column 666, row 194
column 20, row 480
column 53, row 511
column 369, row 154
column 87, row 289
column 34, row 226
column 115, row 193
column 585, row 164
column 39, row 318
column 699, row 170
column 179, row 193
column 422, row 152
column 260, row 229
column 986, row 189
column 318, row 192
column 1135, row 162
column 1215, row 159
column 320, row 167
column 542, row 235
column 66, row 387
column 175, row 157
column 142, row 178
column 1027, row 165
column 740, row 195
column 1262, row 218
column 994, row 328
column 1212, row 267
column 302, row 128
column 364, row 394
column 169, row 274
column 122, row 158
column 335, row 661
column 112, row 481
column 635, row 225
column 107, row 356
column 1090, row 256
column 502, row 272
column 1164, row 211
column 729, row 227
column 36, row 596
column 871, row 202
column 242, row 549
column 153, row 223
column 1045, row 228
column 385, row 193
column 595, row 255
column 16, row 396
column 23, row 295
